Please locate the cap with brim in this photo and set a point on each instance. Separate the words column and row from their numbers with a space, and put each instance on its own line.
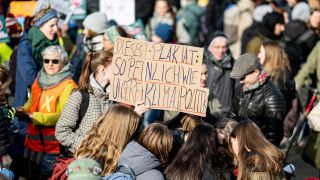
column 245, row 64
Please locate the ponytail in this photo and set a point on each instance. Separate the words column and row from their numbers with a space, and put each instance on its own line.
column 90, row 65
column 85, row 73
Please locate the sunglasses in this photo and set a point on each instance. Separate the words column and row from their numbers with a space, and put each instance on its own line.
column 54, row 61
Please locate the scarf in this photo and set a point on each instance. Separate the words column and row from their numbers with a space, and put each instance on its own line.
column 47, row 81
column 96, row 85
column 262, row 79
column 38, row 43
column 95, row 43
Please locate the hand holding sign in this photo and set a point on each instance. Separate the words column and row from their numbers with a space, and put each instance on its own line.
column 140, row 108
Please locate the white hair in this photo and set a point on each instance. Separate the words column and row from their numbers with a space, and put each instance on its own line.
column 56, row 50
column 215, row 39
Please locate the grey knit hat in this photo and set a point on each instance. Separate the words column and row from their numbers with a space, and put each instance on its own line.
column 97, row 22
column 245, row 64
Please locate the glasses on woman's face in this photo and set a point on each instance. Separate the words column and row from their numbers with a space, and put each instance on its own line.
column 54, row 61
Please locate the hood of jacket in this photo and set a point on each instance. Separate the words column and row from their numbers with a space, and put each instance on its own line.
column 138, row 158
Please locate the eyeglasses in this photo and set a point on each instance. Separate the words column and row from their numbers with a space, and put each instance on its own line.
column 54, row 61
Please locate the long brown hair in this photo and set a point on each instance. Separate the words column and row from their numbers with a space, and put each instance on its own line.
column 158, row 140
column 257, row 155
column 276, row 61
column 90, row 65
column 109, row 136
column 199, row 151
column 189, row 122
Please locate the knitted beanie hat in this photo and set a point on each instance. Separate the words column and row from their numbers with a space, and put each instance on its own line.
column 164, row 31
column 97, row 22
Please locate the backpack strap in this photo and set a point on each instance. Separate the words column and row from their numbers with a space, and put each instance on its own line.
column 85, row 97
column 82, row 111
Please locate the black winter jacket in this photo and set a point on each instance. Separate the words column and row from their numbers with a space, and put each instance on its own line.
column 4, row 138
column 221, row 86
column 266, row 107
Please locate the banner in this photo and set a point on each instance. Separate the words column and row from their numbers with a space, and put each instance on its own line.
column 123, row 12
column 22, row 8
column 163, row 76
column 4, row 36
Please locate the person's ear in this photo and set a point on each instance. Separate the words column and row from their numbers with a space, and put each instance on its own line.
column 256, row 72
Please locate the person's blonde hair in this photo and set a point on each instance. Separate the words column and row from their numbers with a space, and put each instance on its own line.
column 257, row 155
column 109, row 136
column 276, row 61
column 158, row 140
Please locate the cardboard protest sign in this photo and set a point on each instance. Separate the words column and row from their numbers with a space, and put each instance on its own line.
column 163, row 76
column 22, row 8
column 4, row 36
column 123, row 12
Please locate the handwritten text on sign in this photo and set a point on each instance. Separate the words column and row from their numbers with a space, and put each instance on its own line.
column 163, row 76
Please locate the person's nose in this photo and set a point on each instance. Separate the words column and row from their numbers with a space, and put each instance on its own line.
column 55, row 29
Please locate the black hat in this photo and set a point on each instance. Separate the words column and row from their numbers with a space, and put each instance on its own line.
column 294, row 29
column 271, row 19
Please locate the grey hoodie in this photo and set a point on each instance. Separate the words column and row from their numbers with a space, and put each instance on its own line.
column 141, row 161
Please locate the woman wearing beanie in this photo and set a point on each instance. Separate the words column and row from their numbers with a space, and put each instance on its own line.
column 34, row 40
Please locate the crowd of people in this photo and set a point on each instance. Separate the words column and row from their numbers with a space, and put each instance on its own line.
column 258, row 56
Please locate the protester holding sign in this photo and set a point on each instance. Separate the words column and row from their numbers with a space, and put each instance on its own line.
column 95, row 84
column 94, row 81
